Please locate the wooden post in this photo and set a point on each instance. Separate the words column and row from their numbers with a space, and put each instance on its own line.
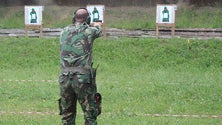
column 157, row 30
column 173, row 30
column 104, row 26
column 39, row 27
column 172, row 25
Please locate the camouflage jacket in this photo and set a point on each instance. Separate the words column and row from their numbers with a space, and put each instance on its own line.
column 76, row 43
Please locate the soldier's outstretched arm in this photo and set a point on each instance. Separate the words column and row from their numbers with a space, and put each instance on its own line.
column 97, row 26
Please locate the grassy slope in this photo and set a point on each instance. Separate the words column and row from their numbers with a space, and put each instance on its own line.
column 118, row 17
column 135, row 77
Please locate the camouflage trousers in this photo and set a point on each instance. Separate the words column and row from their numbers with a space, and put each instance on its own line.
column 79, row 87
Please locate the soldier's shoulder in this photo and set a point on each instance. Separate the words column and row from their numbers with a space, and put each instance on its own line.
column 68, row 28
column 95, row 28
column 71, row 26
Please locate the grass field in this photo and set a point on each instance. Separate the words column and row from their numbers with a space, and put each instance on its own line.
column 136, row 77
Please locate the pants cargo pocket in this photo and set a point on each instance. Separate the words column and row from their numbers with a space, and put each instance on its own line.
column 83, row 78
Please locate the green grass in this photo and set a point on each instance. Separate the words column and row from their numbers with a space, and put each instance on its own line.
column 118, row 17
column 206, row 17
column 135, row 77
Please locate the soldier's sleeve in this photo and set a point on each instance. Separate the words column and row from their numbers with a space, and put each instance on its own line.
column 97, row 31
column 63, row 35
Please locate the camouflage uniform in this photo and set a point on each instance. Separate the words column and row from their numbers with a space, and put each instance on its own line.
column 77, row 78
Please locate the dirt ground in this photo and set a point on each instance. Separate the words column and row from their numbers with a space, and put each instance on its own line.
column 112, row 32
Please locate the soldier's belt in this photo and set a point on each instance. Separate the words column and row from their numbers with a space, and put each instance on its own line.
column 76, row 70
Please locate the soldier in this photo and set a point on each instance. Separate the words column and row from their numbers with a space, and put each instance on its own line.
column 77, row 78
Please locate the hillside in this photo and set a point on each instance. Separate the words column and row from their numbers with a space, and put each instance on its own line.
column 176, row 80
column 131, row 17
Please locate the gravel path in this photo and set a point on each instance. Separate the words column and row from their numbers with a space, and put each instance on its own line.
column 112, row 32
